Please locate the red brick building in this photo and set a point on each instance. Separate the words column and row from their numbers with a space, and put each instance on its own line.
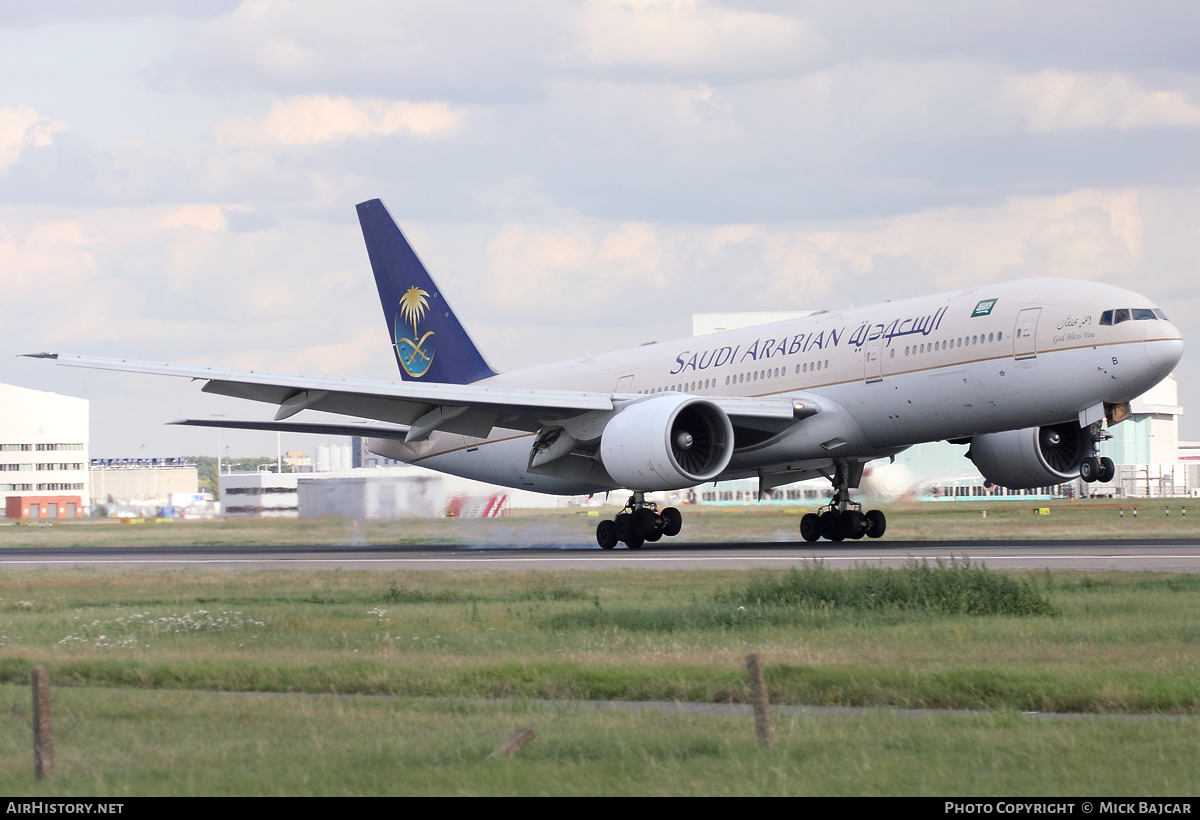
column 43, row 506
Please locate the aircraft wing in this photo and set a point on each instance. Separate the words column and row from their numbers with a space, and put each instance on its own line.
column 466, row 409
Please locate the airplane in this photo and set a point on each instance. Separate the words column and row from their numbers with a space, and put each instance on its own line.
column 1027, row 373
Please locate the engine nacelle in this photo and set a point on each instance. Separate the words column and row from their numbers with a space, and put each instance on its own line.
column 669, row 442
column 1033, row 457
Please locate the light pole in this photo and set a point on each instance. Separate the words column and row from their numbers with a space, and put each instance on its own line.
column 218, row 481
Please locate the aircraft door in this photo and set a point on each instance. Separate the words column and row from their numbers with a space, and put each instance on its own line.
column 873, row 363
column 624, row 384
column 1025, row 334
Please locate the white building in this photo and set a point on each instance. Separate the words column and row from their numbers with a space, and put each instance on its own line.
column 380, row 493
column 266, row 495
column 131, row 480
column 409, row 491
column 333, row 458
column 43, row 451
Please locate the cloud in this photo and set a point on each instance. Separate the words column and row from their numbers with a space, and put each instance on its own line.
column 483, row 51
column 23, row 15
column 1055, row 100
column 1086, row 234
column 692, row 37
column 317, row 118
column 536, row 264
column 422, row 49
column 633, row 269
column 204, row 217
column 20, row 127
column 635, row 246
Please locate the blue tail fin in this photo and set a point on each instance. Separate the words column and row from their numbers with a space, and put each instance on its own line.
column 427, row 338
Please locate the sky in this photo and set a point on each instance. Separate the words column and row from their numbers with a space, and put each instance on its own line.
column 178, row 179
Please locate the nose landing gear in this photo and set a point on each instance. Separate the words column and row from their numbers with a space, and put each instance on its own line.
column 842, row 518
column 640, row 521
column 1094, row 467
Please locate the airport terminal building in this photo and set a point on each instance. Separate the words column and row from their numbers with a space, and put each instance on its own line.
column 43, row 454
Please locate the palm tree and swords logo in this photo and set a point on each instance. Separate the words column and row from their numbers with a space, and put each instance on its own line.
column 413, row 357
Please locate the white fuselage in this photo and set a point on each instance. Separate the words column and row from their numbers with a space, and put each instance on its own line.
column 886, row 377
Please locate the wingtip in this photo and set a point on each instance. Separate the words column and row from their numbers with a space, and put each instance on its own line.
column 38, row 355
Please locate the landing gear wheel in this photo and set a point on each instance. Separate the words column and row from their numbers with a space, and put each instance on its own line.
column 1108, row 470
column 606, row 535
column 645, row 524
column 810, row 527
column 876, row 524
column 623, row 526
column 1089, row 469
column 672, row 522
column 654, row 536
column 829, row 526
column 635, row 542
column 852, row 524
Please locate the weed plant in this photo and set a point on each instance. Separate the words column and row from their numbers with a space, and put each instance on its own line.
column 816, row 597
column 960, row 588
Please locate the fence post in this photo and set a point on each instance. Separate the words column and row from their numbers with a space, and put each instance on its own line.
column 762, row 706
column 43, row 738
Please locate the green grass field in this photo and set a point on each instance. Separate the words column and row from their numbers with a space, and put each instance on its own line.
column 1157, row 518
column 123, row 742
column 379, row 682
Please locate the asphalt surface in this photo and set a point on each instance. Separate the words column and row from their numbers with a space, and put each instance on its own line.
column 1162, row 555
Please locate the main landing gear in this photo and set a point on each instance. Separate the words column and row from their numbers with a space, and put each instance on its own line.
column 842, row 518
column 639, row 522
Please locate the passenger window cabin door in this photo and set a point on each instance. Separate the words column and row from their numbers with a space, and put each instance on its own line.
column 1025, row 334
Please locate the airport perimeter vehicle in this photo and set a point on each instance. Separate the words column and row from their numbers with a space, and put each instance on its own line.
column 1026, row 373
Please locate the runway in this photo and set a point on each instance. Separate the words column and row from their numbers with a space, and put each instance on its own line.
column 1165, row 555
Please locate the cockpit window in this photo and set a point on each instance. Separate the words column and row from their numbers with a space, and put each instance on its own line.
column 1115, row 317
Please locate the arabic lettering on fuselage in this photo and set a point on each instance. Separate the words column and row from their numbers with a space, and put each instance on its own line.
column 920, row 325
column 804, row 342
column 1075, row 321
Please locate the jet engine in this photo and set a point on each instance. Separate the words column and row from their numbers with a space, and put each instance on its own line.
column 669, row 442
column 1032, row 457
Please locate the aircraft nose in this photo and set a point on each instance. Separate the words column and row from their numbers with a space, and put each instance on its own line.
column 1163, row 353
